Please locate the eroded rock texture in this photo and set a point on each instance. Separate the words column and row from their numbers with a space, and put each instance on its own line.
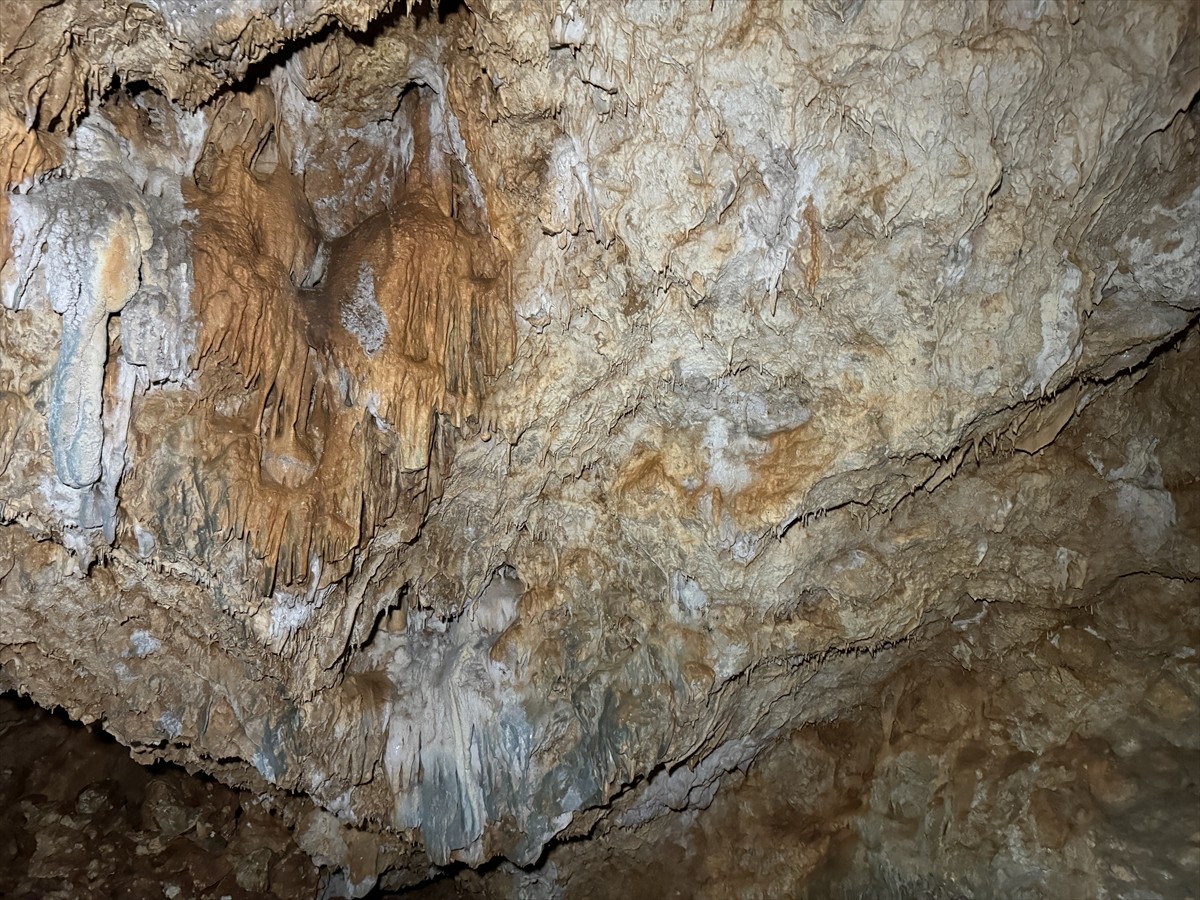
column 82, row 819
column 506, row 429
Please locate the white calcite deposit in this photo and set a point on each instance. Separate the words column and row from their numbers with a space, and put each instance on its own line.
column 521, row 429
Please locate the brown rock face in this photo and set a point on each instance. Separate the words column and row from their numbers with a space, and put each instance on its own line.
column 753, row 443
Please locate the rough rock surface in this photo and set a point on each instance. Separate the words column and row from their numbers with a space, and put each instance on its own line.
column 501, row 424
column 81, row 819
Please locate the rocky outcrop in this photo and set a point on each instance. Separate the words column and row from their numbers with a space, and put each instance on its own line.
column 498, row 422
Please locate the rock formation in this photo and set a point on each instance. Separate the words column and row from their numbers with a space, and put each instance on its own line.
column 562, row 432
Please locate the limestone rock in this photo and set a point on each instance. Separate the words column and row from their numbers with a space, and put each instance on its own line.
column 499, row 424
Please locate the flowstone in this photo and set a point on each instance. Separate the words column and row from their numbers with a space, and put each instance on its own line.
column 494, row 430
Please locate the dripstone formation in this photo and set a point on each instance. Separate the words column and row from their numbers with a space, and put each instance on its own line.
column 587, row 449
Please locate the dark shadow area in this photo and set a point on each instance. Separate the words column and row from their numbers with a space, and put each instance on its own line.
column 80, row 818
column 425, row 10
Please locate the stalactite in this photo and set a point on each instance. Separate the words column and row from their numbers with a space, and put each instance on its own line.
column 323, row 320
column 351, row 377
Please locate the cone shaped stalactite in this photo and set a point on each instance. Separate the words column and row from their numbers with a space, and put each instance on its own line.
column 745, row 445
column 409, row 316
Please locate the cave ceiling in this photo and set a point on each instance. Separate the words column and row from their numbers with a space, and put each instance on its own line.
column 456, row 421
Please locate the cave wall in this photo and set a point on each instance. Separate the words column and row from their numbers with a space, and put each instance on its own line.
column 497, row 423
